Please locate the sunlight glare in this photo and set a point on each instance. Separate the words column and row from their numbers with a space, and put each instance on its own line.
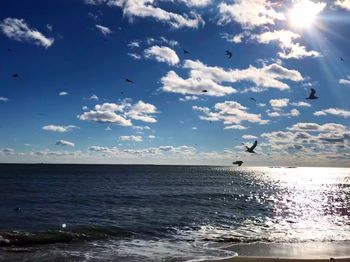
column 304, row 12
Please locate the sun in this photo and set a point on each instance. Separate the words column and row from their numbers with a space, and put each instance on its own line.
column 304, row 13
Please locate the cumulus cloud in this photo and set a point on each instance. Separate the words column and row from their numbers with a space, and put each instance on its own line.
column 104, row 30
column 64, row 143
column 236, row 127
column 94, row 97
column 3, row 99
column 343, row 4
column 61, row 129
column 188, row 98
column 333, row 111
column 121, row 114
column 292, row 113
column 285, row 39
column 328, row 127
column 283, row 102
column 149, row 9
column 249, row 137
column 230, row 113
column 131, row 138
column 162, row 54
column 203, row 77
column 63, row 93
column 300, row 104
column 345, row 81
column 249, row 13
column 18, row 30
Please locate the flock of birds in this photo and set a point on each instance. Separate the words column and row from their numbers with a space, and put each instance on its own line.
column 228, row 53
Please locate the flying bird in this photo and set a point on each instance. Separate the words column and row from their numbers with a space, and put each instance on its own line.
column 229, row 54
column 15, row 75
column 312, row 94
column 239, row 162
column 341, row 59
column 253, row 99
column 251, row 149
column 185, row 51
column 205, row 91
column 9, row 49
column 129, row 81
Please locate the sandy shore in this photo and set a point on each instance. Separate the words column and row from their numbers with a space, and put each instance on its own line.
column 266, row 259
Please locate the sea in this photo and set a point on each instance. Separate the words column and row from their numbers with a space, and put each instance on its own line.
column 63, row 212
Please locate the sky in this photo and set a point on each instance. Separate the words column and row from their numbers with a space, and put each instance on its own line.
column 64, row 97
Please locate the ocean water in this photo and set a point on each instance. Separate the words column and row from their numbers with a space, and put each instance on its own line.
column 166, row 213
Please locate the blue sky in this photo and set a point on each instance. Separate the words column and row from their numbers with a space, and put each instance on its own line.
column 71, row 103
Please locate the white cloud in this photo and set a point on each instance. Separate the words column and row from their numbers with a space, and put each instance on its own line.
column 108, row 128
column 121, row 113
column 63, row 93
column 300, row 104
column 131, row 138
column 188, row 98
column 196, row 3
column 64, row 143
column 3, row 99
column 343, row 4
column 135, row 56
column 249, row 13
column 162, row 54
column 94, row 97
column 249, row 137
column 236, row 127
column 151, row 136
column 203, row 77
column 230, row 113
column 328, row 127
column 285, row 40
column 104, row 30
column 18, row 30
column 134, row 44
column 149, row 9
column 61, row 129
column 333, row 111
column 292, row 113
column 283, row 102
column 345, row 81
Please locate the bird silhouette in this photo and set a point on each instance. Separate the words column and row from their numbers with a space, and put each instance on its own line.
column 341, row 59
column 15, row 75
column 312, row 94
column 129, row 81
column 253, row 99
column 205, row 91
column 229, row 54
column 239, row 162
column 9, row 49
column 185, row 51
column 251, row 149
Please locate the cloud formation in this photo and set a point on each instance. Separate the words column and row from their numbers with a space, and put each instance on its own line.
column 64, row 143
column 131, row 138
column 162, row 54
column 333, row 111
column 104, row 30
column 61, row 129
column 18, row 30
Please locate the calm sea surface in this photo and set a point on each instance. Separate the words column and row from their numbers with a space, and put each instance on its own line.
column 165, row 213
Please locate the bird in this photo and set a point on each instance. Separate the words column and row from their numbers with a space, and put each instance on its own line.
column 9, row 49
column 312, row 94
column 341, row 59
column 253, row 99
column 229, row 54
column 251, row 149
column 239, row 162
column 205, row 91
column 15, row 75
column 185, row 51
column 129, row 81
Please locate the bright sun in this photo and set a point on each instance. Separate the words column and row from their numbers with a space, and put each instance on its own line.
column 303, row 13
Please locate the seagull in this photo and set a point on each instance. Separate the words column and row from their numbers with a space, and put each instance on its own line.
column 229, row 54
column 312, row 95
column 15, row 75
column 341, row 59
column 185, row 51
column 253, row 99
column 251, row 149
column 239, row 162
column 129, row 81
column 205, row 91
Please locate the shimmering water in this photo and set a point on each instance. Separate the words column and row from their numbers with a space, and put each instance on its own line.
column 158, row 213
